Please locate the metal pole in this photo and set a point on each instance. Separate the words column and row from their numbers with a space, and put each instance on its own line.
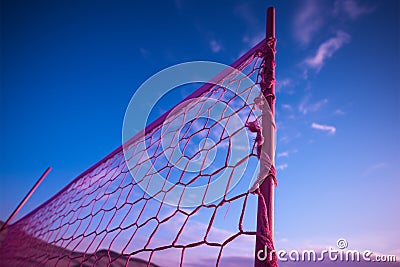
column 19, row 207
column 265, row 215
column 267, row 189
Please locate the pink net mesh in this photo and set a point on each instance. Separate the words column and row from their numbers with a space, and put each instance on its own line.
column 105, row 217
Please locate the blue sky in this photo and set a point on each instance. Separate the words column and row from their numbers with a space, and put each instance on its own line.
column 69, row 69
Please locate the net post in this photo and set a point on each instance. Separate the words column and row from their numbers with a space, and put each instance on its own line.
column 265, row 211
column 25, row 199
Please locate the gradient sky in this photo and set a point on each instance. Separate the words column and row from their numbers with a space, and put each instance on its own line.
column 69, row 69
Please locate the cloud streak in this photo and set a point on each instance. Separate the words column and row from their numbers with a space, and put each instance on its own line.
column 308, row 22
column 325, row 128
column 144, row 52
column 283, row 154
column 244, row 12
column 283, row 85
column 377, row 166
column 215, row 46
column 287, row 106
column 326, row 50
column 339, row 112
column 305, row 107
column 251, row 41
column 281, row 167
column 351, row 9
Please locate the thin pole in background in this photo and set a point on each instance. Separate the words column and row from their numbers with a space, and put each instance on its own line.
column 19, row 207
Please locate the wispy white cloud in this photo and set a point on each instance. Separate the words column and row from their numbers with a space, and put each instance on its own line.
column 246, row 14
column 314, row 14
column 285, row 82
column 144, row 52
column 351, row 9
column 281, row 167
column 283, row 154
column 323, row 127
column 215, row 46
column 243, row 11
column 339, row 112
column 377, row 166
column 326, row 50
column 251, row 41
column 286, row 139
column 287, row 106
column 308, row 21
column 179, row 5
column 284, row 85
column 306, row 107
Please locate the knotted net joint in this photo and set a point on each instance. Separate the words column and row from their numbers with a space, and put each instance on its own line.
column 255, row 127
